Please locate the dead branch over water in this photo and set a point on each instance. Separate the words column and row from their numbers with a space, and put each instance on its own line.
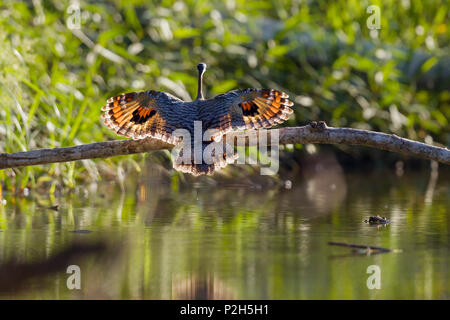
column 313, row 133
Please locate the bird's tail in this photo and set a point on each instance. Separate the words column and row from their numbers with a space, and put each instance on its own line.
column 215, row 156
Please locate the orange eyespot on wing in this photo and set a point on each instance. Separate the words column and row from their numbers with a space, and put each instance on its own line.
column 136, row 115
column 142, row 114
column 265, row 109
column 250, row 109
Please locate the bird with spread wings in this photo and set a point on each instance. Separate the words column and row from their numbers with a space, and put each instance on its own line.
column 159, row 115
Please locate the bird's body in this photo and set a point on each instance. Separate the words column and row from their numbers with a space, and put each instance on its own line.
column 159, row 115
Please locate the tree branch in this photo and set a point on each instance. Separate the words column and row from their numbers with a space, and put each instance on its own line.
column 313, row 133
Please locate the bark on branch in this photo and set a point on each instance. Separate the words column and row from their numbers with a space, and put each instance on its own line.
column 314, row 133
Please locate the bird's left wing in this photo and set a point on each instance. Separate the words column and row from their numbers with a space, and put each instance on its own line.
column 144, row 114
column 248, row 108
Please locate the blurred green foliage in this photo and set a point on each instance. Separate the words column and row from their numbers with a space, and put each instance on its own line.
column 54, row 79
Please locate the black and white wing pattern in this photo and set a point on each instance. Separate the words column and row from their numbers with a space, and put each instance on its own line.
column 144, row 114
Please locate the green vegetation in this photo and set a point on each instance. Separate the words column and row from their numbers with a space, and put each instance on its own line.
column 53, row 80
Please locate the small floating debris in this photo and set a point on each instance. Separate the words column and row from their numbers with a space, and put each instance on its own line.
column 378, row 220
column 288, row 184
column 365, row 249
column 81, row 231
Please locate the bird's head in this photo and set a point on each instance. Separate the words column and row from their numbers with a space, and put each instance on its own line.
column 201, row 67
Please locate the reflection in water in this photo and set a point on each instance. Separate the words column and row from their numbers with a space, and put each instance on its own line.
column 234, row 242
column 325, row 185
column 15, row 274
column 434, row 173
column 202, row 287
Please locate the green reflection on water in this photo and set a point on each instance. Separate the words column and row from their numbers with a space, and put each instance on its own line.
column 237, row 242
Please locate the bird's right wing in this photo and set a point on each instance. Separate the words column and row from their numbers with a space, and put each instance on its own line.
column 144, row 114
column 250, row 109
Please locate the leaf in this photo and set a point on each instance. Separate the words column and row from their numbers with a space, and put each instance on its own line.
column 224, row 86
column 279, row 50
column 183, row 33
column 429, row 64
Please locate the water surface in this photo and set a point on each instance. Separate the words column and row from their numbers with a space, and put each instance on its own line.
column 156, row 238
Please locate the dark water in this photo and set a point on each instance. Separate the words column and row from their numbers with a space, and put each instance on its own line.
column 162, row 239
